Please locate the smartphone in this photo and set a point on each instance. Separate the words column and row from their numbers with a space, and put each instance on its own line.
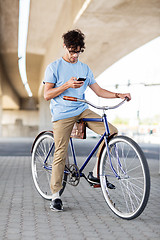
column 81, row 79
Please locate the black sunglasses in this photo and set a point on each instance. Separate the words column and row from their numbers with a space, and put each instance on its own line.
column 73, row 51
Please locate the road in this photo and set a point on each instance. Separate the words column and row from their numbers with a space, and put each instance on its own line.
column 22, row 147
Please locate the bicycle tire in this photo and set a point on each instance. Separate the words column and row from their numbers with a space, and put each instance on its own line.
column 132, row 187
column 41, row 172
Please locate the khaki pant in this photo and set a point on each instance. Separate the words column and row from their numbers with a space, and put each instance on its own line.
column 62, row 130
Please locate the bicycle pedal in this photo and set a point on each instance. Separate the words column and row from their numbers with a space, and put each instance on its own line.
column 96, row 185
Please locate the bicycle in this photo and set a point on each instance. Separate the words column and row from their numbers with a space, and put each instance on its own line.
column 121, row 163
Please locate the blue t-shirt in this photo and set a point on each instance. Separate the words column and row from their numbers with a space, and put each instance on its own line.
column 59, row 72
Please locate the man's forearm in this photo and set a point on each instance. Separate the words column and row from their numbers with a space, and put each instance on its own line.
column 54, row 92
column 107, row 94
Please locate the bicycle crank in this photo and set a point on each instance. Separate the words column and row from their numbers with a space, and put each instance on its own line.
column 74, row 175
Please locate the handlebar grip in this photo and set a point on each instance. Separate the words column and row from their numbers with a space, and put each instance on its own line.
column 127, row 99
column 70, row 98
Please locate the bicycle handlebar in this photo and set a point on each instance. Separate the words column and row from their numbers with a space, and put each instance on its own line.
column 91, row 104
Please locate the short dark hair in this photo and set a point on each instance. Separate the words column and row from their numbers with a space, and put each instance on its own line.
column 73, row 39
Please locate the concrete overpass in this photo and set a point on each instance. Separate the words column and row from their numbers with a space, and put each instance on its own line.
column 112, row 28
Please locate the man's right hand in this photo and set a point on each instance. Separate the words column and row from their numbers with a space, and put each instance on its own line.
column 73, row 83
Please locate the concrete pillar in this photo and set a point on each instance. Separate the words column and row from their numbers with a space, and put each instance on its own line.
column 45, row 122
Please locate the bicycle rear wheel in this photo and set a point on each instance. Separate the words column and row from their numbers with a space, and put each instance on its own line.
column 42, row 158
column 132, row 183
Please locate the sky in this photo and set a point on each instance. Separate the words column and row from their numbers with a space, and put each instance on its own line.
column 140, row 67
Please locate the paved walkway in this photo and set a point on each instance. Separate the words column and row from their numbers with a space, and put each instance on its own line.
column 24, row 214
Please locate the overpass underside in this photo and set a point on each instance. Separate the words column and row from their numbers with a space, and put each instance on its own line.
column 112, row 28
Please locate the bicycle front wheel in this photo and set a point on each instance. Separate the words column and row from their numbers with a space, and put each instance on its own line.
column 126, row 168
column 42, row 158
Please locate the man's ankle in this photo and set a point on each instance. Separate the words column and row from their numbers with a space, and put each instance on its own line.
column 55, row 196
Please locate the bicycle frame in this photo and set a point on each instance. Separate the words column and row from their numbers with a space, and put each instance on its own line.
column 104, row 136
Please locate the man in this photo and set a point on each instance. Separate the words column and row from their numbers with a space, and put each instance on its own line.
column 61, row 80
